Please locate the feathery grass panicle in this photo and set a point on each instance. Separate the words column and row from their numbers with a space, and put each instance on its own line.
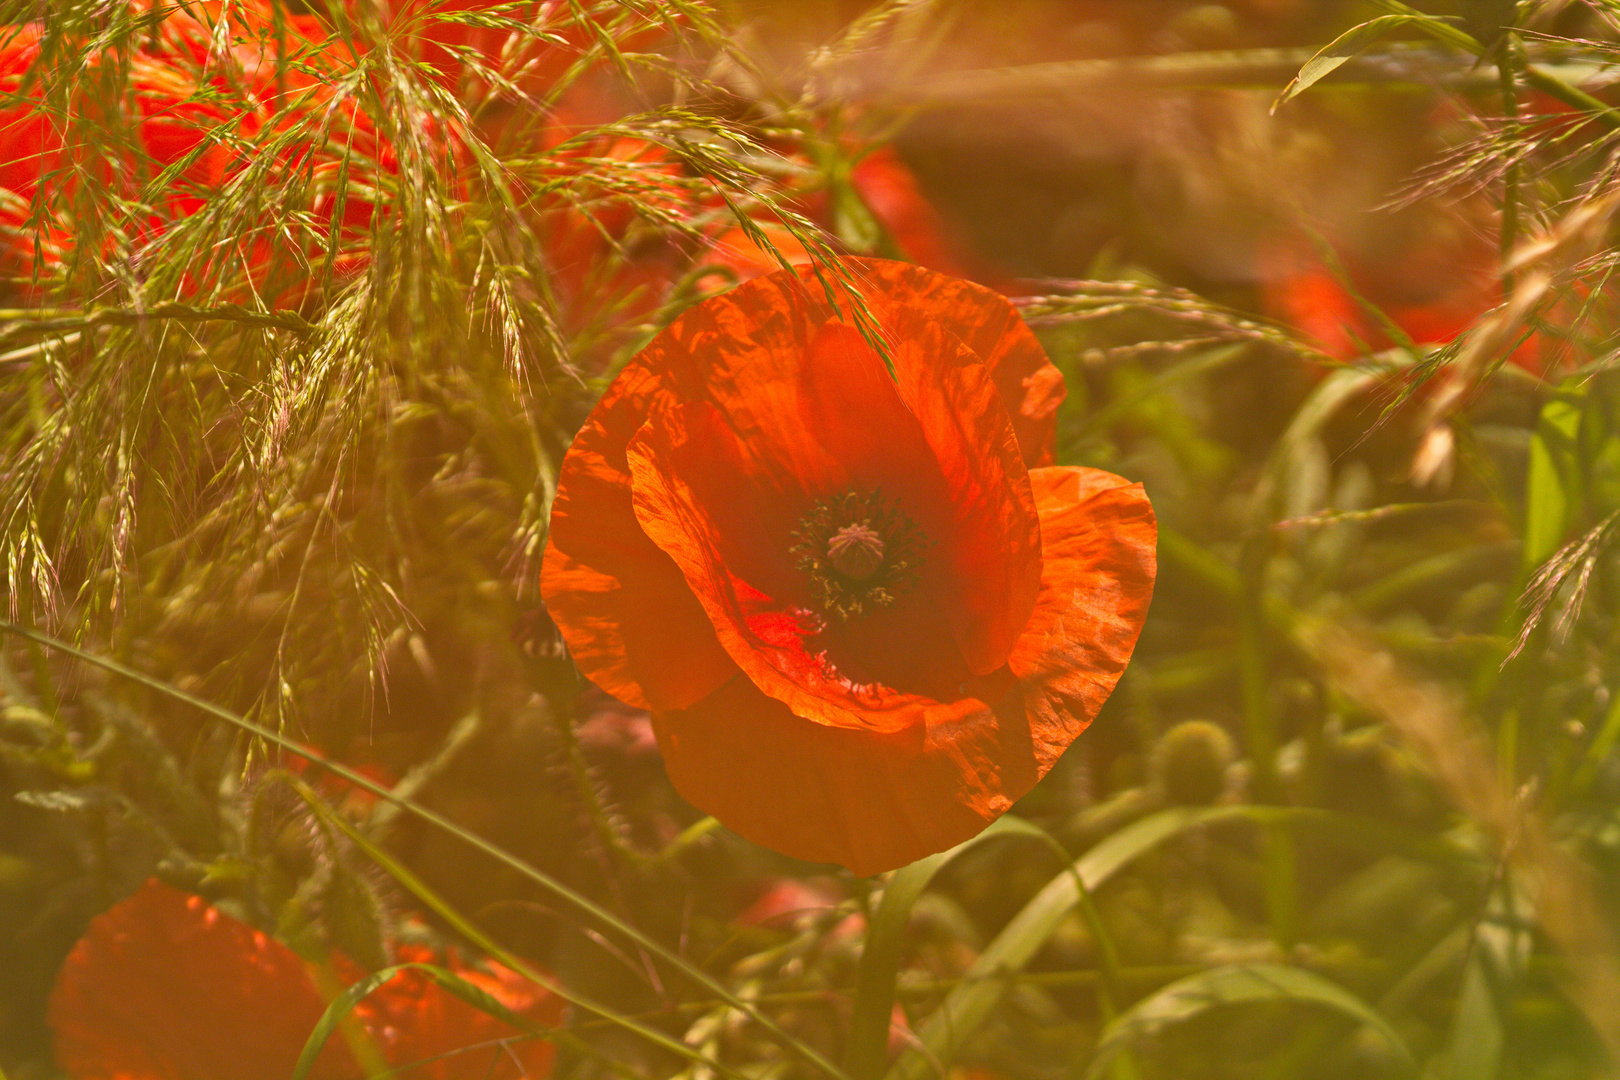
column 412, row 269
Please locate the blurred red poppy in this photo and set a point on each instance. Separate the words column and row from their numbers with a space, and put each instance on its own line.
column 1431, row 286
column 889, row 190
column 200, row 116
column 611, row 262
column 863, row 623
column 165, row 987
column 523, row 52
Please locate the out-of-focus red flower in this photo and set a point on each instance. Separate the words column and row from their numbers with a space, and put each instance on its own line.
column 198, row 110
column 1432, row 289
column 165, row 987
column 736, row 250
column 617, row 728
column 30, row 150
column 862, row 622
column 784, row 900
column 356, row 801
column 602, row 271
column 413, row 1020
column 783, row 903
column 889, row 191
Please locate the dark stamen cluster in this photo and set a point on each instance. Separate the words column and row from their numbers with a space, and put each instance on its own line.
column 859, row 550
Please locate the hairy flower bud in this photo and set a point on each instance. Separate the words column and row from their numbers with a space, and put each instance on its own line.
column 1190, row 762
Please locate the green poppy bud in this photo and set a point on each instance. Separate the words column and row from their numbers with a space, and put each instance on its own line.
column 1190, row 761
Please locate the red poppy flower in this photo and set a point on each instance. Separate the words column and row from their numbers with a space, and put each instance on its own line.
column 890, row 191
column 1302, row 290
column 1432, row 286
column 610, row 265
column 165, row 987
column 863, row 623
column 193, row 109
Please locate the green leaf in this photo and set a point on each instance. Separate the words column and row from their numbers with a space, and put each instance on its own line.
column 1332, row 393
column 1598, row 752
column 1343, row 48
column 1238, row 984
column 1095, row 422
column 976, row 996
column 1552, row 489
column 967, row 1006
column 880, row 957
column 1438, row 28
column 1475, row 1050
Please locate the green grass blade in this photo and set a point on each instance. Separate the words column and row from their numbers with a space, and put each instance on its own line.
column 885, row 939
column 1343, row 48
column 970, row 1004
column 1237, row 985
column 1475, row 1049
column 1552, row 486
column 973, row 1000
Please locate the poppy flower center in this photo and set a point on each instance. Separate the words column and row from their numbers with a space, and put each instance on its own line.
column 859, row 550
column 856, row 551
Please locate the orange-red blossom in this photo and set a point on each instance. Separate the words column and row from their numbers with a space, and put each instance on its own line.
column 865, row 611
column 165, row 987
column 206, row 111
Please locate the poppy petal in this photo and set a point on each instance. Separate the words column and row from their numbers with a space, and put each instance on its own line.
column 630, row 621
column 1099, row 535
column 987, row 574
column 678, row 485
column 984, row 321
column 164, row 987
column 427, row 1032
column 717, row 508
column 867, row 800
column 627, row 615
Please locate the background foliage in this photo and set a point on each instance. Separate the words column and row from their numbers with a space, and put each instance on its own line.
column 283, row 442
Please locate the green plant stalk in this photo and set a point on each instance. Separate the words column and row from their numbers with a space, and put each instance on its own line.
column 1508, row 236
column 1257, row 730
column 1535, row 76
column 1255, row 68
column 590, row 798
column 885, row 939
column 1282, row 902
column 880, row 962
column 47, row 320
